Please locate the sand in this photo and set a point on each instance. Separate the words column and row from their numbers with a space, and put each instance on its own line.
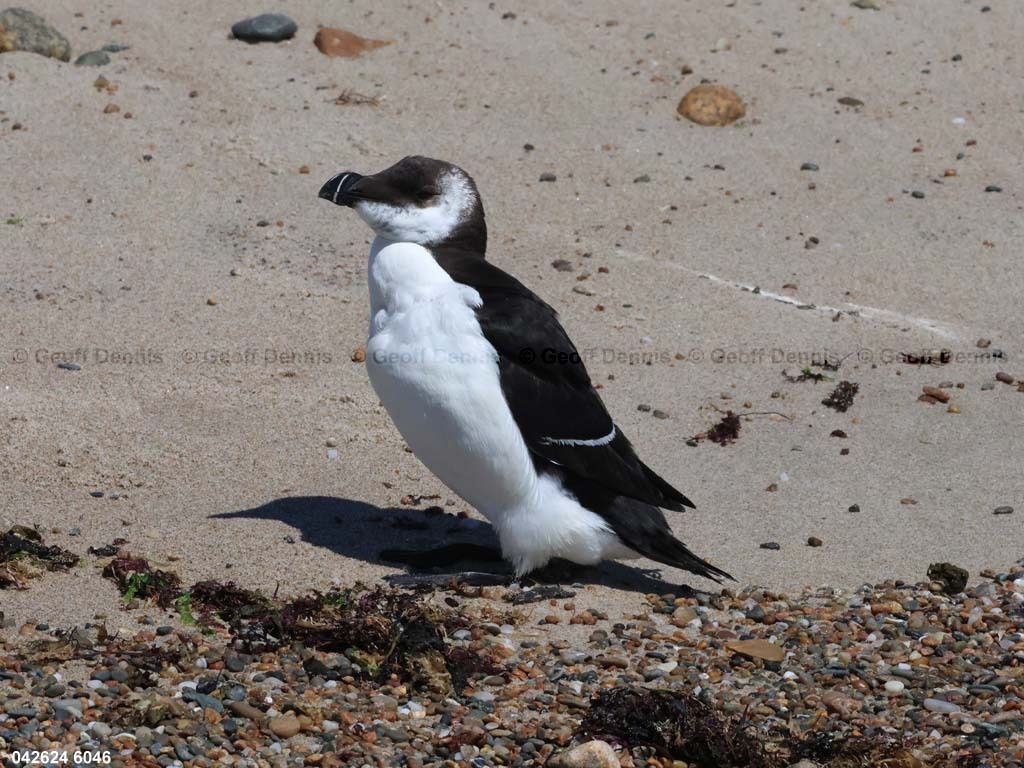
column 206, row 398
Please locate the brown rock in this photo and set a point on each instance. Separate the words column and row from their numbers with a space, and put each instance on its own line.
column 245, row 709
column 935, row 392
column 684, row 614
column 359, row 356
column 814, row 541
column 757, row 649
column 285, row 726
column 711, row 105
column 111, row 109
column 838, row 703
column 1004, row 377
column 344, row 44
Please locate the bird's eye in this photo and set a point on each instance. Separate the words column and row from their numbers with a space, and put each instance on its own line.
column 426, row 193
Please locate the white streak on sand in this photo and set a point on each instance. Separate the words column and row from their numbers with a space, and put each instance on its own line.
column 871, row 314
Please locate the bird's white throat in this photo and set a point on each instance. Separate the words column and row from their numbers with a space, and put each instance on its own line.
column 424, row 225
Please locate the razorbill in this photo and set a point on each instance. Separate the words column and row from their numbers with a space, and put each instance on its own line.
column 487, row 389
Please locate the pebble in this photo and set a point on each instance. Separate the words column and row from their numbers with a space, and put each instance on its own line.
column 93, row 59
column 548, row 176
column 771, row 545
column 265, row 28
column 895, row 687
column 1004, row 510
column 711, row 105
column 814, row 541
column 202, row 699
column 344, row 44
column 809, row 167
column 1004, row 377
column 592, row 754
column 284, row 726
column 938, row 705
column 939, row 394
column 22, row 30
column 67, row 709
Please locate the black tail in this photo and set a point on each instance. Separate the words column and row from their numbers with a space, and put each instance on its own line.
column 667, row 549
column 673, row 498
column 640, row 526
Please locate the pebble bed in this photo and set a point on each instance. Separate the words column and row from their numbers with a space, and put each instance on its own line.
column 942, row 675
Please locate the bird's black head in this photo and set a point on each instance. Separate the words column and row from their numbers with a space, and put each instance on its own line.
column 418, row 200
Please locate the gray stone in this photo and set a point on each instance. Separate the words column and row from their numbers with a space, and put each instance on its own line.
column 592, row 754
column 265, row 28
column 115, row 47
column 191, row 694
column 395, row 733
column 22, row 30
column 23, row 712
column 143, row 736
column 93, row 59
column 101, row 730
column 67, row 709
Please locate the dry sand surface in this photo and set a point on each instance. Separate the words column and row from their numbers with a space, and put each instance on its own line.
column 181, row 258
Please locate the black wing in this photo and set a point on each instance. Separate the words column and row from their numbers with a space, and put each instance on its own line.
column 548, row 388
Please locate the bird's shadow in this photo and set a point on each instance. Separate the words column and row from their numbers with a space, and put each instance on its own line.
column 362, row 531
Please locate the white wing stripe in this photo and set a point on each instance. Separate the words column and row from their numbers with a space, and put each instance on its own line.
column 584, row 443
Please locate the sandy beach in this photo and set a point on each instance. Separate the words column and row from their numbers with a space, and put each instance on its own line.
column 174, row 250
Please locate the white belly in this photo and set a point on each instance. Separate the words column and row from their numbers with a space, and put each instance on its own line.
column 445, row 398
column 437, row 376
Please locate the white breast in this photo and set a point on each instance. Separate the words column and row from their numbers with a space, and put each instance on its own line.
column 437, row 376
